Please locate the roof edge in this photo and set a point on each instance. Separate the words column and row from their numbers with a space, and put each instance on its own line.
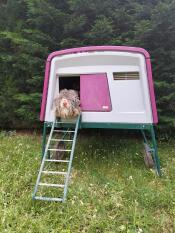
column 98, row 48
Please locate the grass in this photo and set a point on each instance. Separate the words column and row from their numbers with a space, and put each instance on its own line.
column 110, row 190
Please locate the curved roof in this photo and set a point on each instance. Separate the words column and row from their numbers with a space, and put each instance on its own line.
column 99, row 48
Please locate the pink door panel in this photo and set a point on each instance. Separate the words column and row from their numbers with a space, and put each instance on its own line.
column 94, row 93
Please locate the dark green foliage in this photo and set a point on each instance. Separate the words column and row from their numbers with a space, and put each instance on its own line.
column 158, row 39
column 8, row 102
column 102, row 31
column 31, row 29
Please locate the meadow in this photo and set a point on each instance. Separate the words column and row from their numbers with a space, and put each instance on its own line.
column 110, row 190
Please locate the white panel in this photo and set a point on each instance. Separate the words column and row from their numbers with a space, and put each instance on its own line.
column 52, row 90
column 94, row 69
column 127, row 96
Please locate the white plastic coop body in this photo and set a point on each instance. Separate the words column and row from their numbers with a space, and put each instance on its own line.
column 114, row 82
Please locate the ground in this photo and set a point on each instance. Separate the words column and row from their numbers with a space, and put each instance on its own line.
column 110, row 191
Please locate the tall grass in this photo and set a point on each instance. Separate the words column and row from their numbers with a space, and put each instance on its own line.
column 110, row 190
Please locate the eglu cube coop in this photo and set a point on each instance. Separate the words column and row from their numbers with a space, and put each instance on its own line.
column 116, row 91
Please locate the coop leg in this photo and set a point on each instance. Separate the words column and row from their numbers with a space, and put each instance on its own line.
column 152, row 148
column 144, row 136
column 44, row 139
column 155, row 151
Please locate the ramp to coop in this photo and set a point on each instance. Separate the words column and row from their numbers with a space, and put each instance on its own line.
column 52, row 184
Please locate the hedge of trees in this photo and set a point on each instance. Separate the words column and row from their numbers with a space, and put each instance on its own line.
column 31, row 29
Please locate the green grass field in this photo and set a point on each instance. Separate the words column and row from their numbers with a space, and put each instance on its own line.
column 110, row 190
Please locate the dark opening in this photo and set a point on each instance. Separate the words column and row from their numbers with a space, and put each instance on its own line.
column 69, row 82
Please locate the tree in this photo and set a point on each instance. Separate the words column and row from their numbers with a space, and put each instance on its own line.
column 158, row 36
column 31, row 29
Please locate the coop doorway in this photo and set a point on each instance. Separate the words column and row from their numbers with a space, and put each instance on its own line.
column 70, row 83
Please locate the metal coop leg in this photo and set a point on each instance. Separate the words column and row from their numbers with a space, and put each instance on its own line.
column 155, row 151
column 152, row 148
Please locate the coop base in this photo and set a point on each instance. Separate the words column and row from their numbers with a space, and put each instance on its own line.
column 146, row 129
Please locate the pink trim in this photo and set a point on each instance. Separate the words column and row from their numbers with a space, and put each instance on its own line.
column 99, row 48
column 151, row 91
column 45, row 87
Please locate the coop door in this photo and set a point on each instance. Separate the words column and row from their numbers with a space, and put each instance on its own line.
column 94, row 93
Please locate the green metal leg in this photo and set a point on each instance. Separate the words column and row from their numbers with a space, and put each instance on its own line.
column 144, row 136
column 44, row 139
column 153, row 148
column 155, row 151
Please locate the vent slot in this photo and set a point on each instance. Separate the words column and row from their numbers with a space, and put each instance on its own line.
column 126, row 76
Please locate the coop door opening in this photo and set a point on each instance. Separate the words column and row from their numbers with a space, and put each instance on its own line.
column 69, row 82
column 94, row 93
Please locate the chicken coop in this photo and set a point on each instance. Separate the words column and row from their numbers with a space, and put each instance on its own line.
column 115, row 88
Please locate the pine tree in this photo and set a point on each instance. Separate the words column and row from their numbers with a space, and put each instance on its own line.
column 31, row 29
column 158, row 36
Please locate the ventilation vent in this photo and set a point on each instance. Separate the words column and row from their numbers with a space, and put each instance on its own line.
column 126, row 75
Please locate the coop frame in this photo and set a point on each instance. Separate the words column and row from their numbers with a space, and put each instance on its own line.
column 143, row 128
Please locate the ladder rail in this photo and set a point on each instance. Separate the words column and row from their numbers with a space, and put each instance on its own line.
column 71, row 158
column 43, row 160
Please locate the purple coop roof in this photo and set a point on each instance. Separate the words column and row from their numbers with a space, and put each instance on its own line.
column 100, row 48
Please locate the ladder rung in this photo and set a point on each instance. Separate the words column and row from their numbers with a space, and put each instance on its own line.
column 64, row 131
column 57, row 160
column 54, row 172
column 52, row 185
column 61, row 140
column 58, row 150
column 65, row 122
column 47, row 198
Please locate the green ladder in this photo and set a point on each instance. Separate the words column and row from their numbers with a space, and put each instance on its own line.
column 46, row 172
